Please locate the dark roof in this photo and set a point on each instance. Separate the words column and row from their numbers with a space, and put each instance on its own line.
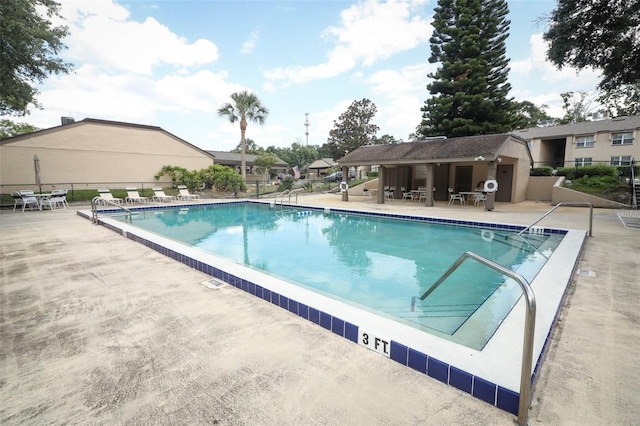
column 322, row 163
column 234, row 158
column 617, row 124
column 432, row 150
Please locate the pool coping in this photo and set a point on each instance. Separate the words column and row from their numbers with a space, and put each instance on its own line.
column 466, row 369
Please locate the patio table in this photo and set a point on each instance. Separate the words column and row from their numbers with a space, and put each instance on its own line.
column 42, row 198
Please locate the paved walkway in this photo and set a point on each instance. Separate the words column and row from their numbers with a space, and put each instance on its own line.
column 96, row 329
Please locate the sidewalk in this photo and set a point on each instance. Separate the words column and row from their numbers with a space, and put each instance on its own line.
column 97, row 329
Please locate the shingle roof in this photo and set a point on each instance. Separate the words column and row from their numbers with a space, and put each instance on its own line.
column 322, row 163
column 582, row 128
column 234, row 158
column 442, row 150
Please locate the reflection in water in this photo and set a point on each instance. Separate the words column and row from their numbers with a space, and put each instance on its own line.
column 376, row 263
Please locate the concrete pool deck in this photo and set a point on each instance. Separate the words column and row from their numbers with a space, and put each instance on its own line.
column 97, row 329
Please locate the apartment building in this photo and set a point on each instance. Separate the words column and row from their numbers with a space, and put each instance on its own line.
column 614, row 141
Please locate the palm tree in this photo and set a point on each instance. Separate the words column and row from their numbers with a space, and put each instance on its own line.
column 245, row 106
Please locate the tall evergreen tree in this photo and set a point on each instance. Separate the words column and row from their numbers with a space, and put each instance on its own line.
column 470, row 88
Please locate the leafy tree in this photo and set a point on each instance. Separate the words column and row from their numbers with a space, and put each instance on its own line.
column 245, row 106
column 597, row 33
column 9, row 128
column 470, row 87
column 622, row 101
column 577, row 107
column 384, row 140
column 529, row 115
column 28, row 51
column 353, row 129
column 265, row 162
column 296, row 155
column 251, row 147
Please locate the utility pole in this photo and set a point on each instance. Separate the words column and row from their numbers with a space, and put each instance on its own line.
column 307, row 124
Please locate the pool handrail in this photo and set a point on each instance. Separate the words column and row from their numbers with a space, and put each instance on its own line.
column 529, row 324
column 281, row 195
column 567, row 203
column 94, row 208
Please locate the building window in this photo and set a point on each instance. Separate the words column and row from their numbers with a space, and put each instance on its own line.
column 585, row 141
column 586, row 161
column 622, row 139
column 621, row 160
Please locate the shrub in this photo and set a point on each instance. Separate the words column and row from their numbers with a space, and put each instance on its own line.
column 287, row 183
column 541, row 171
column 568, row 172
column 597, row 170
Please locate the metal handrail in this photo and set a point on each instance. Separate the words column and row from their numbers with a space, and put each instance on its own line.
column 529, row 324
column 524, row 240
column 295, row 191
column 575, row 204
column 282, row 194
column 94, row 208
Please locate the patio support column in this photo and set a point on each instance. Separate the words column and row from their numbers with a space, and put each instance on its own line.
column 381, row 178
column 430, row 179
column 492, row 168
column 345, row 178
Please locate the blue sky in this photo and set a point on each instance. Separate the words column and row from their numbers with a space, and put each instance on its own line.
column 173, row 63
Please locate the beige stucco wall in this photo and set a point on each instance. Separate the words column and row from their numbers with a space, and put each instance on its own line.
column 564, row 195
column 87, row 153
column 540, row 188
column 602, row 149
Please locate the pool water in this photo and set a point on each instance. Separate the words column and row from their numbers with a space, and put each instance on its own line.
column 377, row 264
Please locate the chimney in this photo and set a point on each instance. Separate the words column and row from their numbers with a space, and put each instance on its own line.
column 67, row 120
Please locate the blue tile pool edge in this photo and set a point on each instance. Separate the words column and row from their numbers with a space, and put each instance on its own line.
column 496, row 395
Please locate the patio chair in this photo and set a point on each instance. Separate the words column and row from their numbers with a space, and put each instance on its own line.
column 406, row 195
column 159, row 195
column 25, row 198
column 453, row 197
column 105, row 195
column 134, row 197
column 58, row 196
column 185, row 195
column 478, row 198
column 388, row 192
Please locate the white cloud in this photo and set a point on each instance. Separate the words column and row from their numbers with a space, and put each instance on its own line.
column 250, row 44
column 404, row 92
column 101, row 33
column 369, row 31
column 537, row 80
column 372, row 30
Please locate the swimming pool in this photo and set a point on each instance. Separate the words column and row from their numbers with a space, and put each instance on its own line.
column 490, row 373
column 373, row 263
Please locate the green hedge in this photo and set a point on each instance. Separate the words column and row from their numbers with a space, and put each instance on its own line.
column 602, row 170
column 541, row 171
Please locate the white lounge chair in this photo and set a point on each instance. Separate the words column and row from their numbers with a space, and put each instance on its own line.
column 134, row 197
column 185, row 195
column 105, row 195
column 159, row 195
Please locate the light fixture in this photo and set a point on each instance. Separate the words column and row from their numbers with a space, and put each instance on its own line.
column 479, row 158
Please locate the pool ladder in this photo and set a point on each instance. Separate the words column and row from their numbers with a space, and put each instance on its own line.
column 529, row 323
column 94, row 209
column 285, row 194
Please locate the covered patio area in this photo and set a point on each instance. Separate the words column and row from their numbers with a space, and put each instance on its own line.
column 497, row 165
